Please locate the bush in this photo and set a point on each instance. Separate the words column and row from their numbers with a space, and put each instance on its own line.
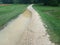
column 53, row 2
column 1, row 2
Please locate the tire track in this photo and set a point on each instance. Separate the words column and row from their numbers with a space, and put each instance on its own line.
column 27, row 29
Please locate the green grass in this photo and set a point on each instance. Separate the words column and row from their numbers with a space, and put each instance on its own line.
column 51, row 17
column 9, row 12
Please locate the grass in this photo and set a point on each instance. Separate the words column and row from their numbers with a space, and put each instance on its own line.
column 9, row 12
column 51, row 17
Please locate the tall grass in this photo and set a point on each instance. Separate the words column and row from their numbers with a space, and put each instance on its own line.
column 51, row 17
column 9, row 12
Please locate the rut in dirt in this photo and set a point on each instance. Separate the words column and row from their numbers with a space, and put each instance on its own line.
column 26, row 29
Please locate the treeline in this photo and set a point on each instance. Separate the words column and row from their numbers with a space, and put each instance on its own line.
column 42, row 2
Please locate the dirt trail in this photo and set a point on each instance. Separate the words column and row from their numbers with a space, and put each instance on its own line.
column 27, row 29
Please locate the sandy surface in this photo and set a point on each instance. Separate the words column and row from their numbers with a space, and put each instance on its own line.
column 27, row 29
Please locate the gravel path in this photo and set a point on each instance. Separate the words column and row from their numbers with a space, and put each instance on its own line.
column 26, row 29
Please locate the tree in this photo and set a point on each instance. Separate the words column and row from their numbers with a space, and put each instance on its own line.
column 7, row 1
column 44, row 2
column 1, row 2
column 59, row 1
column 50, row 2
column 53, row 2
column 15, row 1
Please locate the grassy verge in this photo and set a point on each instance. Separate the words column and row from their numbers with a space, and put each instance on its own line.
column 9, row 12
column 51, row 17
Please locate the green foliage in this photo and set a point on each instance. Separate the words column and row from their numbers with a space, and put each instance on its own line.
column 9, row 12
column 1, row 2
column 7, row 1
column 53, row 2
column 51, row 17
column 15, row 1
column 46, row 2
